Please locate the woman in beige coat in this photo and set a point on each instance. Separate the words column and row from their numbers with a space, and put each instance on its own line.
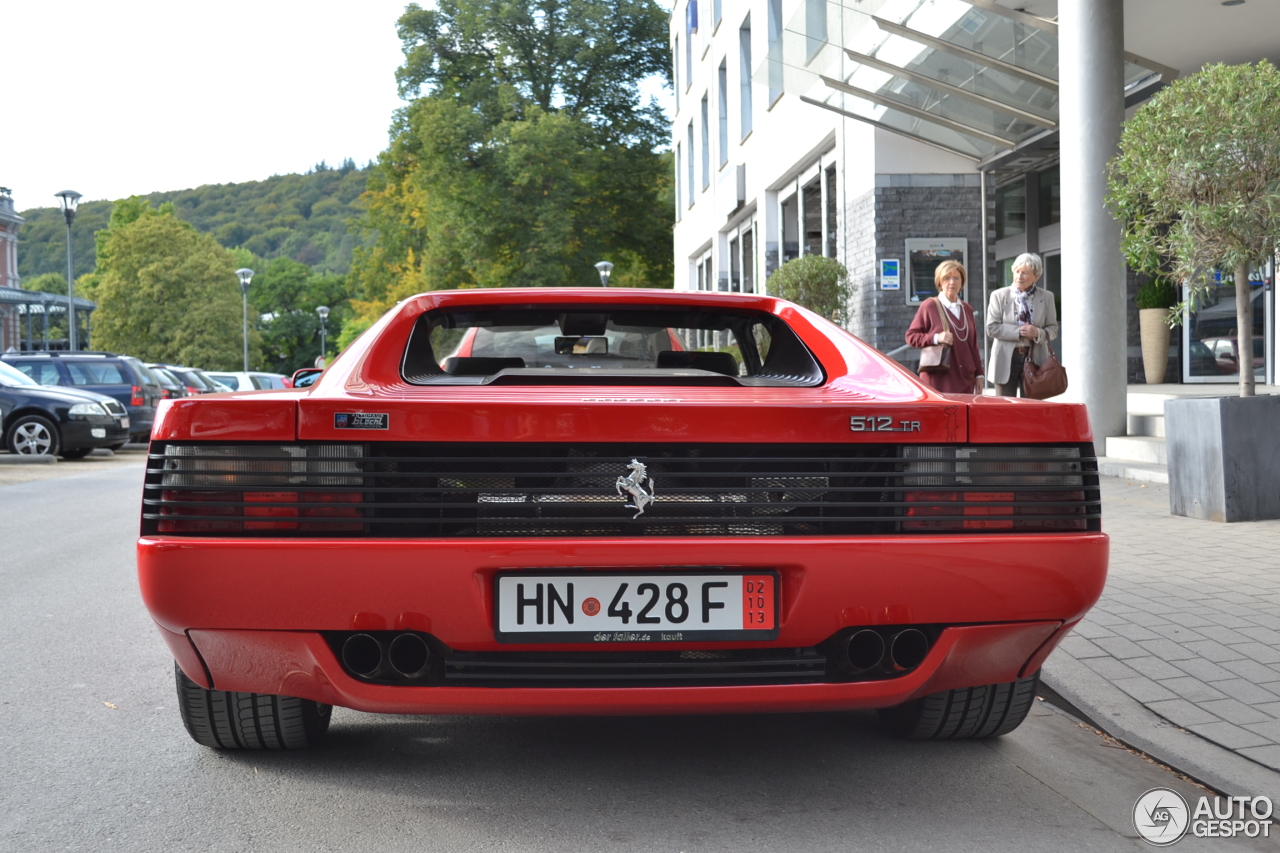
column 1021, row 320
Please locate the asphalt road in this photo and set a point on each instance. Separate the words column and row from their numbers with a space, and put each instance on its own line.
column 93, row 755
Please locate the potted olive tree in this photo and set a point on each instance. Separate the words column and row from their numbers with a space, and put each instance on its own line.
column 1197, row 185
column 1155, row 299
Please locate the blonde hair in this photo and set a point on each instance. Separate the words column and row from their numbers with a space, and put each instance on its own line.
column 946, row 268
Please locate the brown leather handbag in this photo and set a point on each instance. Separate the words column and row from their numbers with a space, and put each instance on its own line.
column 1045, row 380
column 937, row 358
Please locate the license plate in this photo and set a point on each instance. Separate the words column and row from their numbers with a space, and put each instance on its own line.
column 667, row 607
column 124, row 422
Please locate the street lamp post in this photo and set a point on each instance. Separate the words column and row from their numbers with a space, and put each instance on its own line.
column 69, row 199
column 323, row 311
column 245, row 275
column 604, row 268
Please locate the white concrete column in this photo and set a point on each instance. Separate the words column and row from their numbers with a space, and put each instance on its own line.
column 1095, row 348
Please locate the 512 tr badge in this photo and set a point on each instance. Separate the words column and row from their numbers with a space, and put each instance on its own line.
column 883, row 423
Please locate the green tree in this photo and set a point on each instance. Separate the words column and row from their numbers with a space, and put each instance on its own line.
column 1197, row 183
column 166, row 292
column 819, row 284
column 283, row 297
column 50, row 282
column 529, row 157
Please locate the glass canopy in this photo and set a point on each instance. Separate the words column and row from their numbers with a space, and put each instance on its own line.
column 974, row 78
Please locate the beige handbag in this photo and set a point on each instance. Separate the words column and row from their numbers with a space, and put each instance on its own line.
column 937, row 358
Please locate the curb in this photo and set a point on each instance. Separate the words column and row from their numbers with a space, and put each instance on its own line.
column 1133, row 724
column 27, row 459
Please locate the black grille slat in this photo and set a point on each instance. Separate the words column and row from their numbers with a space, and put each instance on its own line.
column 486, row 490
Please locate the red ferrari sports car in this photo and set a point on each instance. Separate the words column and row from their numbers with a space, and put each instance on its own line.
column 592, row 501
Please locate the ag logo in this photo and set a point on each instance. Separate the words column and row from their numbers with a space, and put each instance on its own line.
column 1161, row 816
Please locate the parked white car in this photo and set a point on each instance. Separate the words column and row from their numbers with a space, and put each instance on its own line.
column 251, row 381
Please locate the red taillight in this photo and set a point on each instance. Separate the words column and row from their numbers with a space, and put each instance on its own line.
column 192, row 391
column 218, row 512
column 164, row 394
column 974, row 511
column 136, row 398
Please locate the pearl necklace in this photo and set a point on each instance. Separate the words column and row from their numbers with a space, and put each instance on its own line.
column 958, row 325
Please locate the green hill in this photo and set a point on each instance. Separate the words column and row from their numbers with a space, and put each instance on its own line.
column 303, row 217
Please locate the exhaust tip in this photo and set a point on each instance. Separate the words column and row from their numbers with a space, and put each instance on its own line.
column 362, row 655
column 863, row 652
column 908, row 648
column 409, row 656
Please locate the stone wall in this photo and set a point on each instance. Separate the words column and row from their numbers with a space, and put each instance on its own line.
column 877, row 225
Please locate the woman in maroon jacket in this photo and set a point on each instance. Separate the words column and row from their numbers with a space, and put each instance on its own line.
column 960, row 331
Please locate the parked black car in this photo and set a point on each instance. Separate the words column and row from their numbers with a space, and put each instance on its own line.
column 171, row 387
column 119, row 376
column 192, row 378
column 57, row 421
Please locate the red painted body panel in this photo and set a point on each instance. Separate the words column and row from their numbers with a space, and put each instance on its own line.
column 253, row 606
column 301, row 664
column 1017, row 420
column 185, row 654
column 257, row 416
column 443, row 587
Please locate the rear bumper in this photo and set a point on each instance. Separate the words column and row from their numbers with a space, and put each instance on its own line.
column 253, row 610
column 301, row 664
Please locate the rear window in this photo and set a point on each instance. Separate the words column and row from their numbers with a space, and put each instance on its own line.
column 96, row 373
column 606, row 345
column 42, row 372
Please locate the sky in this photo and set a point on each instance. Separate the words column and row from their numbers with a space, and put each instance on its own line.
column 139, row 96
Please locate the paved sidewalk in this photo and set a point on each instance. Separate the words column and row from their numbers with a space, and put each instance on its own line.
column 1182, row 653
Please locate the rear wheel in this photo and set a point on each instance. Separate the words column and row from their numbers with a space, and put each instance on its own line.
column 970, row 712
column 220, row 719
column 31, row 435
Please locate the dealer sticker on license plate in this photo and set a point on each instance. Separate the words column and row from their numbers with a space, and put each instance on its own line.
column 667, row 607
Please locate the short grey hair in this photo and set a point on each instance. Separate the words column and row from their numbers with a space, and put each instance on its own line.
column 1029, row 259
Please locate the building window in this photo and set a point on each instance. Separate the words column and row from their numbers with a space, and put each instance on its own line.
column 704, row 273
column 717, row 12
column 688, row 45
column 723, row 97
column 833, row 207
column 775, row 51
column 1011, row 210
column 744, row 72
column 815, row 26
column 675, row 69
column 689, row 176
column 811, row 200
column 748, row 261
column 1050, row 197
column 706, row 143
column 790, row 229
column 679, row 153
column 735, row 266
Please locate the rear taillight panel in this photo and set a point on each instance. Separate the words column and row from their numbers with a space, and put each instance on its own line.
column 450, row 490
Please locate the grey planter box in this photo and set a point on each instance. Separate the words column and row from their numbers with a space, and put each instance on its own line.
column 1224, row 457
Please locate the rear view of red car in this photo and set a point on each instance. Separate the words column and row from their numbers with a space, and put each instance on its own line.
column 614, row 502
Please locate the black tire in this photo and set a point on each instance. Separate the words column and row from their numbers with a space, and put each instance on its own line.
column 30, row 435
column 970, row 712
column 76, row 454
column 223, row 720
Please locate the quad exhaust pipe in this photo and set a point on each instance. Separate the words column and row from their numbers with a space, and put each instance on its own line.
column 405, row 657
column 868, row 651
